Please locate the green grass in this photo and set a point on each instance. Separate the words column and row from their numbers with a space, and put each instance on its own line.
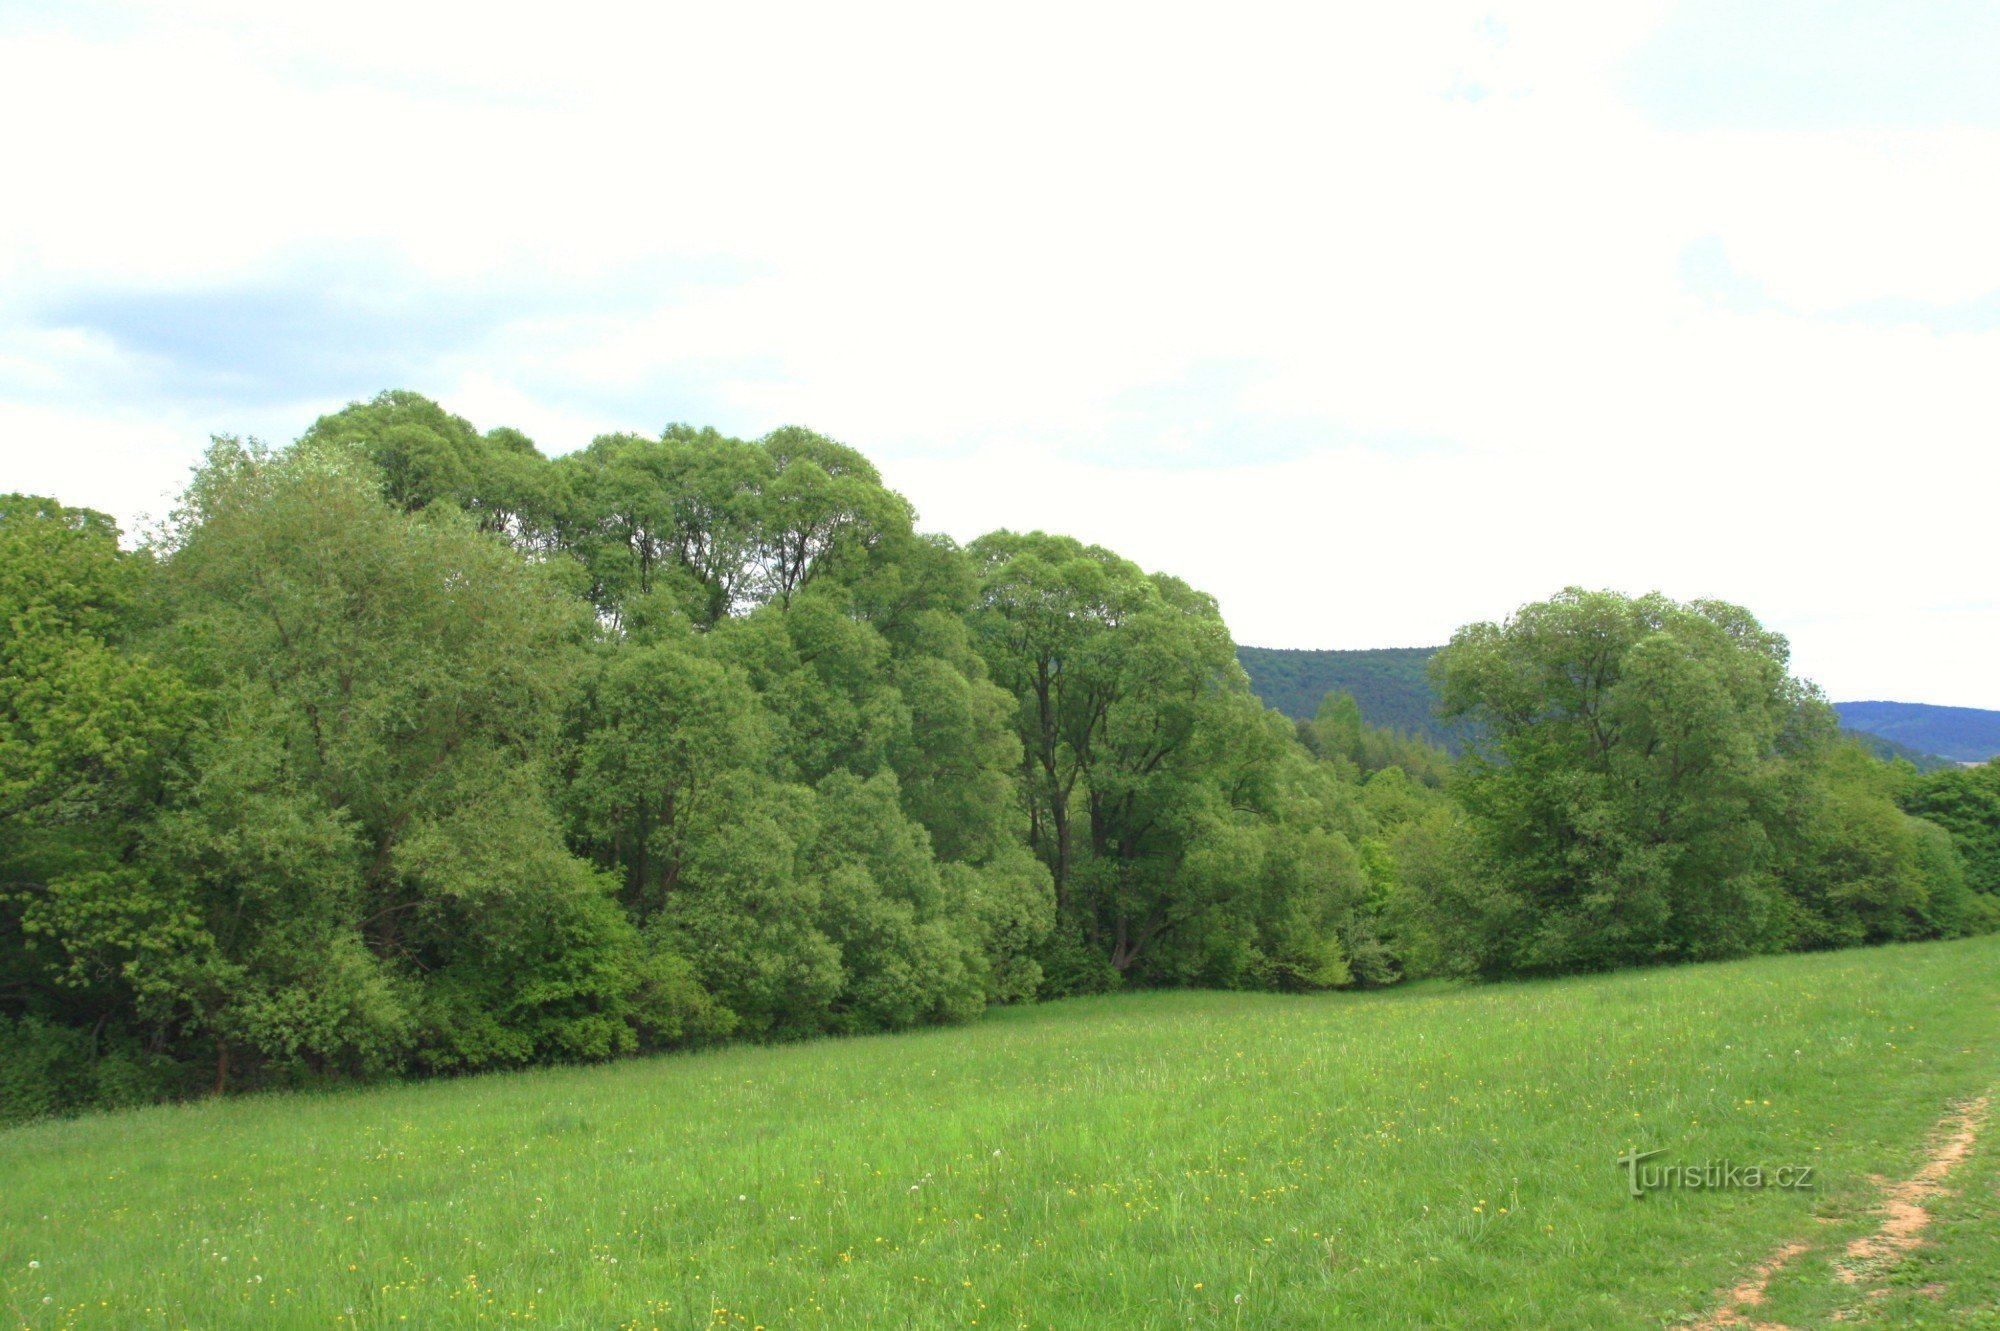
column 1952, row 1280
column 1435, row 1156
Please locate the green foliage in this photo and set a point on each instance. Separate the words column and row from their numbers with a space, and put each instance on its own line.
column 1965, row 802
column 47, row 1068
column 1391, row 685
column 1889, row 751
column 904, row 950
column 1010, row 908
column 83, row 720
column 668, row 741
column 702, row 526
column 424, row 456
column 1189, row 836
column 1338, row 732
column 1393, row 691
column 386, row 682
column 1864, row 871
column 408, row 749
column 90, row 727
column 1655, row 787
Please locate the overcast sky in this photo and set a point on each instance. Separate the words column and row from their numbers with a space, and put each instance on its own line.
column 1371, row 321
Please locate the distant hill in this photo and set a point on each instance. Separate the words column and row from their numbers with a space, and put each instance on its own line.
column 1965, row 734
column 1388, row 682
column 1888, row 750
column 1394, row 690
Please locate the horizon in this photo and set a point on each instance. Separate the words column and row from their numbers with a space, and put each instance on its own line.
column 132, row 524
column 1432, row 647
column 1837, row 702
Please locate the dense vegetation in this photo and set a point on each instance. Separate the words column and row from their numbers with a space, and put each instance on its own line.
column 1392, row 685
column 1435, row 1157
column 1653, row 785
column 1889, row 751
column 408, row 749
column 1394, row 690
column 1966, row 803
column 1962, row 734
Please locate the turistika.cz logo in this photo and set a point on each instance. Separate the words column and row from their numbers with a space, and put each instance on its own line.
column 1642, row 1178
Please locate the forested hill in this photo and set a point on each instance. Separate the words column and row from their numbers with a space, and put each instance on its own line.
column 1888, row 750
column 1392, row 687
column 1965, row 734
column 1390, row 684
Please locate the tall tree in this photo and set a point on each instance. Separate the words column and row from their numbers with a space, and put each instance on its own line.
column 1644, row 773
column 384, row 687
column 825, row 505
column 676, row 519
column 667, row 740
column 1048, row 607
column 425, row 455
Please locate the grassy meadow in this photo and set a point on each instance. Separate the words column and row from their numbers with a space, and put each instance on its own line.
column 1435, row 1156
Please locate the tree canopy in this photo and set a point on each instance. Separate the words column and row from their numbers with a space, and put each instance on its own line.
column 1651, row 784
column 406, row 749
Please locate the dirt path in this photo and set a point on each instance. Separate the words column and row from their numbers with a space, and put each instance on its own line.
column 1733, row 1310
column 1904, row 1218
column 1904, row 1215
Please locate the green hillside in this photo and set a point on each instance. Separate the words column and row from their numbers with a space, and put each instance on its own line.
column 1435, row 1156
column 1888, row 750
column 1964, row 734
column 1390, row 684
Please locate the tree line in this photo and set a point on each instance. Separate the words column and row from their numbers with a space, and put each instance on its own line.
column 1391, row 684
column 406, row 749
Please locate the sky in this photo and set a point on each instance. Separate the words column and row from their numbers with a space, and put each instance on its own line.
column 1372, row 320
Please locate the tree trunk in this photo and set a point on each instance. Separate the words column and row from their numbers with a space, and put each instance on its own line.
column 1059, row 814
